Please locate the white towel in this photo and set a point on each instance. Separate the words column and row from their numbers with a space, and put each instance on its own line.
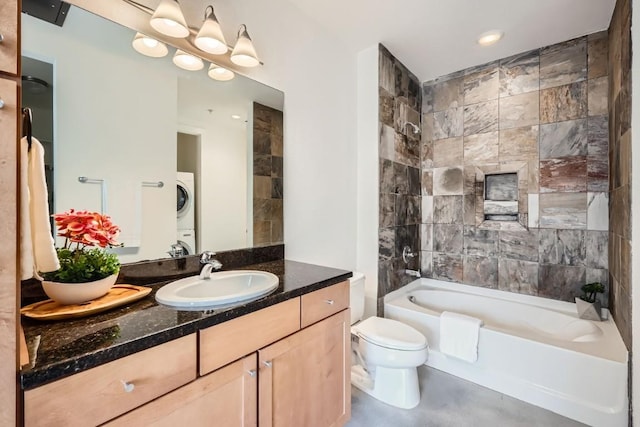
column 37, row 250
column 124, row 206
column 459, row 336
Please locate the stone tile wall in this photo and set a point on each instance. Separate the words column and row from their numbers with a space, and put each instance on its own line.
column 544, row 115
column 619, row 47
column 400, row 181
column 268, row 224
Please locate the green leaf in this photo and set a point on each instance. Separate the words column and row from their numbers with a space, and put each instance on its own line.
column 83, row 265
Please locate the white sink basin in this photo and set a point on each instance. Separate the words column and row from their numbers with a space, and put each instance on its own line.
column 222, row 289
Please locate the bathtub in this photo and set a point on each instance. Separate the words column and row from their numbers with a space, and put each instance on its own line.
column 534, row 349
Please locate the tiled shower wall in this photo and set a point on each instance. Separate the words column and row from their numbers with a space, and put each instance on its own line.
column 268, row 224
column 620, row 159
column 542, row 114
column 399, row 162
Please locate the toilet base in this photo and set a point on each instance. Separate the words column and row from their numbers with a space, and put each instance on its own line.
column 394, row 386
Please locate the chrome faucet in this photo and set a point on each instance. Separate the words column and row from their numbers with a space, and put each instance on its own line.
column 176, row 250
column 407, row 254
column 210, row 264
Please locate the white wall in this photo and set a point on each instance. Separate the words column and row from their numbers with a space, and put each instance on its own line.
column 635, row 217
column 368, row 171
column 318, row 78
column 91, row 57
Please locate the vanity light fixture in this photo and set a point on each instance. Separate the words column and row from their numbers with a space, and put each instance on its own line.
column 219, row 73
column 169, row 20
column 490, row 37
column 235, row 117
column 244, row 54
column 149, row 46
column 210, row 38
column 187, row 61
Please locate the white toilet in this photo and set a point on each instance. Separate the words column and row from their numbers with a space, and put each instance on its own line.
column 386, row 355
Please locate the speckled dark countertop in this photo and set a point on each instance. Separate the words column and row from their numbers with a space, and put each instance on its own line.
column 65, row 347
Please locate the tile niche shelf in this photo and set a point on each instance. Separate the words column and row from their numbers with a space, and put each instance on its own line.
column 501, row 196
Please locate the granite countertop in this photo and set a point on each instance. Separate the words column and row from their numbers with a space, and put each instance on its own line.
column 61, row 348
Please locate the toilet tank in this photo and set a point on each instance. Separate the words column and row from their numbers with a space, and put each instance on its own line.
column 356, row 296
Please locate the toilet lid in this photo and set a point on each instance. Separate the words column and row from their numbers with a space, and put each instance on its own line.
column 390, row 333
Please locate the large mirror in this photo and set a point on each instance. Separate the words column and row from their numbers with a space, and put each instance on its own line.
column 168, row 153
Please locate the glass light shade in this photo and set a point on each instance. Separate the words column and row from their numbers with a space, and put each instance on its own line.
column 169, row 20
column 187, row 61
column 210, row 38
column 219, row 73
column 149, row 46
column 244, row 54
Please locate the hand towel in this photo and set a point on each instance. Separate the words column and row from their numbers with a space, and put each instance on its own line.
column 37, row 249
column 124, row 206
column 459, row 336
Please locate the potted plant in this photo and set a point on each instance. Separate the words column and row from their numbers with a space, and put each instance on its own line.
column 86, row 272
column 588, row 305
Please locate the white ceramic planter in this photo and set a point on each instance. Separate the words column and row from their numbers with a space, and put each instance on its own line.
column 76, row 293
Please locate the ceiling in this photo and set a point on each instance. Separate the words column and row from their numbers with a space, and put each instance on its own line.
column 437, row 37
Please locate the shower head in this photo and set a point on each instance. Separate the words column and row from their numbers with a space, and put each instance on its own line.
column 414, row 127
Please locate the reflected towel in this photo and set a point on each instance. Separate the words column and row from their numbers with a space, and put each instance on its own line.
column 37, row 250
column 124, row 206
column 459, row 335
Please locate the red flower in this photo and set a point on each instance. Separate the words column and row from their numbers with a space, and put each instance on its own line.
column 87, row 228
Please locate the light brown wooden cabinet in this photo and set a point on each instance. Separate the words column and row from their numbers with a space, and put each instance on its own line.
column 226, row 397
column 9, row 36
column 99, row 394
column 304, row 378
column 9, row 284
column 259, row 369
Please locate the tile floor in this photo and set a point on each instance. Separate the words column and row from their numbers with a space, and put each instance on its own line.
column 448, row 401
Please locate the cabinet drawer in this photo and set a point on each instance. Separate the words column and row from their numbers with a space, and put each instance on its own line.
column 9, row 31
column 227, row 397
column 324, row 302
column 231, row 340
column 100, row 394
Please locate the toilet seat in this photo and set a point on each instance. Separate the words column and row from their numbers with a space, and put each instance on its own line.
column 390, row 334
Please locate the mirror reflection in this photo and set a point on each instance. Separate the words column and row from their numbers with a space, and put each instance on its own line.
column 171, row 155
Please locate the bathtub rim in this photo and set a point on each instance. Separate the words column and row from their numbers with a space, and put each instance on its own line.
column 616, row 351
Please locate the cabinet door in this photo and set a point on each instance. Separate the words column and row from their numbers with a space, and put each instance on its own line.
column 226, row 397
column 9, row 36
column 305, row 378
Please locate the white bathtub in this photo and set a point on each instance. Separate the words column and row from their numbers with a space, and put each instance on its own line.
column 534, row 349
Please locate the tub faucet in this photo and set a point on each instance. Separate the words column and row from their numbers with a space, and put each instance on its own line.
column 210, row 264
column 414, row 273
column 407, row 254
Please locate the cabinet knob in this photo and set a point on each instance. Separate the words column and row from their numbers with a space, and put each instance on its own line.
column 252, row 373
column 1, row 104
column 267, row 363
column 329, row 301
column 128, row 387
column 1, row 38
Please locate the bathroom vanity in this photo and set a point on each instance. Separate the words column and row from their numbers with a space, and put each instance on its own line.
column 281, row 360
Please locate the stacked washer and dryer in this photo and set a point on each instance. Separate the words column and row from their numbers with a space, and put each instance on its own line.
column 185, row 198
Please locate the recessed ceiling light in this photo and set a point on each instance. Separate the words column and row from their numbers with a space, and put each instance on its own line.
column 235, row 116
column 490, row 37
